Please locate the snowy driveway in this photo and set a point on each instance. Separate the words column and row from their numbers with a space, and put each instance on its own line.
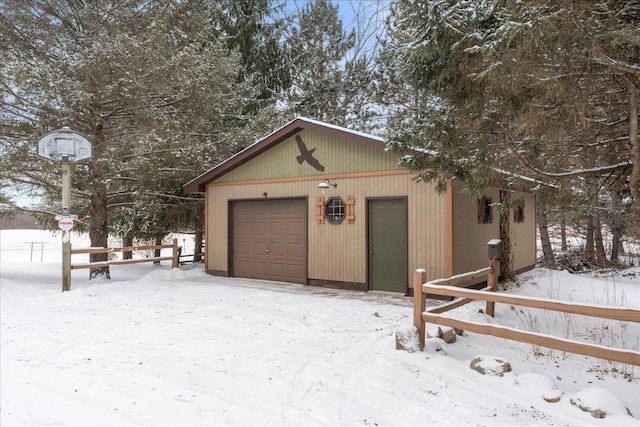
column 178, row 347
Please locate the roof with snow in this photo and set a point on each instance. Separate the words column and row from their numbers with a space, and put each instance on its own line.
column 198, row 184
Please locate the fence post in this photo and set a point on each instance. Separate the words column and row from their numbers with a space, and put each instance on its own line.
column 176, row 256
column 66, row 261
column 492, row 282
column 419, row 304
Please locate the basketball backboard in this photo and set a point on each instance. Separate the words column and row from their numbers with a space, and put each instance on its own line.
column 65, row 145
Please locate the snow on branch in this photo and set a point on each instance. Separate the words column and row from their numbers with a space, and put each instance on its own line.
column 26, row 209
column 171, row 196
column 598, row 171
column 618, row 65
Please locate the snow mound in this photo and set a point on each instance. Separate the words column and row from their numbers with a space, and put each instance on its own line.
column 433, row 345
column 172, row 275
column 537, row 385
column 533, row 381
column 600, row 402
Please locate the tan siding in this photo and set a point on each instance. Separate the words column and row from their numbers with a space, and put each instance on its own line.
column 339, row 252
column 523, row 244
column 217, row 243
column 470, row 238
column 337, row 156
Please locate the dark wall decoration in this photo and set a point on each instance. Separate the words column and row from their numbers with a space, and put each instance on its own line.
column 307, row 155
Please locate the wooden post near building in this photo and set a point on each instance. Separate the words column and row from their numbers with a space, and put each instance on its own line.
column 176, row 255
column 492, row 282
column 419, row 304
column 494, row 247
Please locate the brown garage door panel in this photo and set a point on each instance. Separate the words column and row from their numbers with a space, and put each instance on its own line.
column 269, row 239
column 277, row 229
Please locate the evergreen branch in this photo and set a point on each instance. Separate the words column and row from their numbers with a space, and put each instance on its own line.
column 618, row 65
column 16, row 32
column 125, row 178
column 31, row 210
column 31, row 182
column 121, row 194
column 122, row 204
column 599, row 171
column 146, row 153
column 600, row 122
column 81, row 194
column 171, row 196
column 172, row 103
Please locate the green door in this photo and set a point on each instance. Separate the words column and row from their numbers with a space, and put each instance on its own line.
column 387, row 219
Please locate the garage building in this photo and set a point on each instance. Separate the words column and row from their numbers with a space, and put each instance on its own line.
column 321, row 205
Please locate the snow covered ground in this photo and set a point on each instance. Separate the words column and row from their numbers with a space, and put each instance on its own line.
column 161, row 347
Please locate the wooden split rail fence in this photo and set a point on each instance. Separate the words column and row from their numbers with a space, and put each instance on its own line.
column 174, row 258
column 451, row 287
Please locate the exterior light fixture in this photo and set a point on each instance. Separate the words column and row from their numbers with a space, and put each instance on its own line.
column 326, row 184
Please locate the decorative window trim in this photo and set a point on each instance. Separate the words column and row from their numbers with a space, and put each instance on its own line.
column 351, row 216
column 485, row 210
column 518, row 212
column 335, row 210
column 320, row 210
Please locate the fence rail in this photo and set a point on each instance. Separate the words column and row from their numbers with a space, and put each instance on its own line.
column 174, row 258
column 443, row 287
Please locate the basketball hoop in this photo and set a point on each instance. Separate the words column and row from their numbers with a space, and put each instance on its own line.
column 65, row 145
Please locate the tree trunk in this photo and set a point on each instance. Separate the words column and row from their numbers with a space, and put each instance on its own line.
column 199, row 235
column 506, row 266
column 98, row 227
column 589, row 255
column 616, row 226
column 563, row 233
column 157, row 252
column 197, row 252
column 601, row 257
column 127, row 241
column 634, row 145
column 541, row 217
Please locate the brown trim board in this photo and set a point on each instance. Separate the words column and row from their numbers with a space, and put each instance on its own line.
column 392, row 172
column 206, row 232
column 218, row 273
column 333, row 284
column 449, row 228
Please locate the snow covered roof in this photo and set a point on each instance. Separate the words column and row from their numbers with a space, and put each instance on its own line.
column 198, row 184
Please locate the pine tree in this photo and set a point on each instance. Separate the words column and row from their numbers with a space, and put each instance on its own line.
column 255, row 30
column 511, row 73
column 144, row 81
column 331, row 70
column 547, row 89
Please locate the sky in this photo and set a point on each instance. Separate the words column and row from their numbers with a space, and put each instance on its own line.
column 350, row 10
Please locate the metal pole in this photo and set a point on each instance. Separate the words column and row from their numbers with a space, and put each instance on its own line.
column 66, row 235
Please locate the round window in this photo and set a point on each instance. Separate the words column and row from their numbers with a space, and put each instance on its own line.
column 335, row 210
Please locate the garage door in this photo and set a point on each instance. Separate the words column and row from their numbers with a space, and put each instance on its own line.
column 269, row 240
